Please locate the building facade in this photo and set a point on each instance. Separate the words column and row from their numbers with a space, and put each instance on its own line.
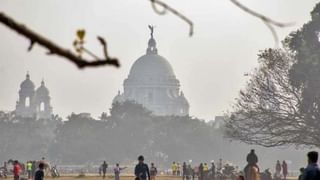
column 33, row 103
column 152, row 83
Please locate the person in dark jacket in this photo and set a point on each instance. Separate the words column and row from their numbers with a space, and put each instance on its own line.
column 252, row 158
column 141, row 170
column 39, row 175
column 312, row 172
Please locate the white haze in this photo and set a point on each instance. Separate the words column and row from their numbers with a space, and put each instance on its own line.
column 210, row 65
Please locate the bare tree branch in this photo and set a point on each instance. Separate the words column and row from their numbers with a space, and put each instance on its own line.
column 274, row 34
column 166, row 8
column 268, row 21
column 53, row 48
column 260, row 16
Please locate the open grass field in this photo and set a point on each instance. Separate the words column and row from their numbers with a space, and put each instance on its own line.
column 125, row 177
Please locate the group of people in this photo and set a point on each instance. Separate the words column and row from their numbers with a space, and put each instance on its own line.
column 206, row 173
column 29, row 170
column 311, row 172
column 176, row 169
column 281, row 170
column 203, row 171
column 117, row 170
column 31, row 167
column 38, row 173
column 142, row 170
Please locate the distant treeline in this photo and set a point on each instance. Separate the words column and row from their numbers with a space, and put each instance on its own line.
column 128, row 131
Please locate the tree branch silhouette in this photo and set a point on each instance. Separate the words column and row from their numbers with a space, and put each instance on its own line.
column 54, row 49
column 270, row 23
column 167, row 8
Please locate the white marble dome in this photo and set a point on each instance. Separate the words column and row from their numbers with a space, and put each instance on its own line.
column 152, row 83
column 151, row 65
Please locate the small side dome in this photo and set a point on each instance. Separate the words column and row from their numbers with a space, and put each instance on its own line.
column 183, row 99
column 42, row 90
column 119, row 98
column 27, row 83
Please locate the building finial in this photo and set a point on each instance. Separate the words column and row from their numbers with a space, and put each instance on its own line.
column 151, row 30
column 152, row 49
column 28, row 76
column 42, row 82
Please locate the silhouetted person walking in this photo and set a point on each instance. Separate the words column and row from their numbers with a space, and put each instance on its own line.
column 29, row 169
column 178, row 169
column 153, row 172
column 16, row 170
column 174, row 168
column 190, row 173
column 278, row 167
column 33, row 171
column 284, row 170
column 213, row 170
column 201, row 173
column 184, row 170
column 312, row 171
column 117, row 170
column 141, row 170
column 104, row 168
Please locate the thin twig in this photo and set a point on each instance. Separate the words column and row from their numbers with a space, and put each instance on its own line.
column 90, row 53
column 274, row 33
column 260, row 16
column 268, row 21
column 53, row 48
column 166, row 8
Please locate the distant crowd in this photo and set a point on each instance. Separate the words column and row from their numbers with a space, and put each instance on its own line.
column 37, row 170
column 222, row 171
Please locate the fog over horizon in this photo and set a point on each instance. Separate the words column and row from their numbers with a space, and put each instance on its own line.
column 161, row 102
column 209, row 65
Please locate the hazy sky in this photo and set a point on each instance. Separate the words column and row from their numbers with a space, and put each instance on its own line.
column 210, row 65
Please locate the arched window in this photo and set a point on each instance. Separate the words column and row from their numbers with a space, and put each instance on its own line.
column 42, row 106
column 27, row 102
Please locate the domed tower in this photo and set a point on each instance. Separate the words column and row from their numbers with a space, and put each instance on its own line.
column 42, row 102
column 25, row 106
column 152, row 83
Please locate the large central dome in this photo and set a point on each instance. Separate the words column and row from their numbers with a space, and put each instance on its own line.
column 151, row 65
column 152, row 83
